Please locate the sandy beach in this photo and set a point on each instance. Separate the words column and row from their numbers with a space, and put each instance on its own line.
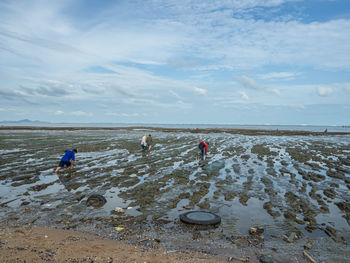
column 41, row 244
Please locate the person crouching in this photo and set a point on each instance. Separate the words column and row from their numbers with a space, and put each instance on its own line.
column 67, row 160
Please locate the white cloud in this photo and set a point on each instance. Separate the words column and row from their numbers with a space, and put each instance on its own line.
column 278, row 75
column 275, row 91
column 324, row 91
column 182, row 63
column 205, row 30
column 82, row 113
column 248, row 83
column 49, row 57
column 10, row 94
column 243, row 95
column 102, row 106
column 31, row 101
column 59, row 112
column 174, row 94
column 200, row 91
column 251, row 84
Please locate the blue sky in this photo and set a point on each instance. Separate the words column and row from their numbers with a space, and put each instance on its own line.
column 201, row 62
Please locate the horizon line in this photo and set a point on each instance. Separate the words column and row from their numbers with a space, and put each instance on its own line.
column 142, row 123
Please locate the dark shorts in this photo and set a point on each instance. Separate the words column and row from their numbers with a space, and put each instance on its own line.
column 201, row 146
column 63, row 163
column 143, row 146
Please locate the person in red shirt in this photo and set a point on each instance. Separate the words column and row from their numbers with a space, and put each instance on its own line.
column 203, row 147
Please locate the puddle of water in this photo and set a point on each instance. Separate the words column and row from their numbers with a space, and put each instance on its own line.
column 237, row 218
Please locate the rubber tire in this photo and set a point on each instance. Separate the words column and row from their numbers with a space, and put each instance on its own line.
column 100, row 198
column 184, row 218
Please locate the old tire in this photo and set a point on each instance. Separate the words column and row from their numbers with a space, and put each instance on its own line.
column 96, row 200
column 200, row 218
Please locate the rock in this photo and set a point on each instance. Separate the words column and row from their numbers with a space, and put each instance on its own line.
column 162, row 221
column 285, row 238
column 256, row 230
column 343, row 206
column 79, row 198
column 253, row 230
column 291, row 237
column 238, row 259
column 308, row 245
column 275, row 236
column 261, row 238
column 260, row 230
column 329, row 193
column 215, row 233
column 289, row 215
column 119, row 210
column 310, row 228
column 330, row 231
column 299, row 221
column 265, row 259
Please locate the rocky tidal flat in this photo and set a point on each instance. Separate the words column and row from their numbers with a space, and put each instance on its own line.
column 294, row 187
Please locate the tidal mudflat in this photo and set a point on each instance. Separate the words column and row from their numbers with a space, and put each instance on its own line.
column 294, row 185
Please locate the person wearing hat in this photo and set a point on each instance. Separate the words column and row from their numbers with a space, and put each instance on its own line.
column 143, row 142
column 67, row 159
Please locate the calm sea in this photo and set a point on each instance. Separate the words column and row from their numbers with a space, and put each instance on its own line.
column 312, row 128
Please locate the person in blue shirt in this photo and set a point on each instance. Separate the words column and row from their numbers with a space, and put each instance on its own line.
column 67, row 160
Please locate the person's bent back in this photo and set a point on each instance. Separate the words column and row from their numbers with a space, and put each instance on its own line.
column 67, row 160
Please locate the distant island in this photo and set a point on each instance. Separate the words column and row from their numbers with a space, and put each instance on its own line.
column 24, row 121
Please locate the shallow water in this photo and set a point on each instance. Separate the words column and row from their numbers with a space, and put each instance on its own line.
column 295, row 187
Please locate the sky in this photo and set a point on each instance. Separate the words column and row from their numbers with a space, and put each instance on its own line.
column 278, row 62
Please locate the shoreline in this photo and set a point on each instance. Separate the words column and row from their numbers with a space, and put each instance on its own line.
column 249, row 132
